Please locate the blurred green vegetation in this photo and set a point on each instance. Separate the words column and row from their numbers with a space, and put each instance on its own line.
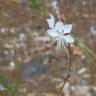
column 9, row 85
column 39, row 6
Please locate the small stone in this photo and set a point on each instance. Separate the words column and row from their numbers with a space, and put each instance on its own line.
column 88, row 94
column 31, row 94
column 94, row 88
column 66, row 89
column 83, row 57
column 6, row 52
column 2, row 88
column 73, row 88
column 82, row 90
column 86, row 76
column 93, row 31
column 84, row 3
column 8, row 46
column 22, row 37
column 85, row 15
column 3, row 30
column 22, row 90
column 12, row 65
column 82, row 70
column 48, row 94
column 12, row 30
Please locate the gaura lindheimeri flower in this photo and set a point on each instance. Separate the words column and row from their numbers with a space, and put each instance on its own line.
column 59, row 32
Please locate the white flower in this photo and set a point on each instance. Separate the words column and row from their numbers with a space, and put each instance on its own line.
column 59, row 32
column 51, row 21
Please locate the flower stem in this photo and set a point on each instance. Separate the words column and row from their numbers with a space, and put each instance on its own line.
column 68, row 73
column 62, row 7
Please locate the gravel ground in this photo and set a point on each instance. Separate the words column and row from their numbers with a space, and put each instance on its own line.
column 22, row 48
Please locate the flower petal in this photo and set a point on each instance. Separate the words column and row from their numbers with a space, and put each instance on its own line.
column 52, row 32
column 67, row 28
column 68, row 39
column 59, row 26
column 51, row 21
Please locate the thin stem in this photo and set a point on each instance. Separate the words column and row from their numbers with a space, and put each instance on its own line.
column 69, row 71
column 62, row 7
column 57, row 72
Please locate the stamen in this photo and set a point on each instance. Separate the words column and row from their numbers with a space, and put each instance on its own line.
column 65, row 34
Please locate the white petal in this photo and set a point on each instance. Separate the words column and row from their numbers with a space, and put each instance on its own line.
column 59, row 26
column 67, row 28
column 51, row 21
column 68, row 39
column 52, row 32
column 62, row 42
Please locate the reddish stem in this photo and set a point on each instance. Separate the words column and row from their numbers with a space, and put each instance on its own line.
column 69, row 71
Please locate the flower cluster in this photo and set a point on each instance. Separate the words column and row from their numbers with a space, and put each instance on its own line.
column 59, row 31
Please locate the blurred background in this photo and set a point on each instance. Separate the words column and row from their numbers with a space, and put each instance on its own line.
column 30, row 65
